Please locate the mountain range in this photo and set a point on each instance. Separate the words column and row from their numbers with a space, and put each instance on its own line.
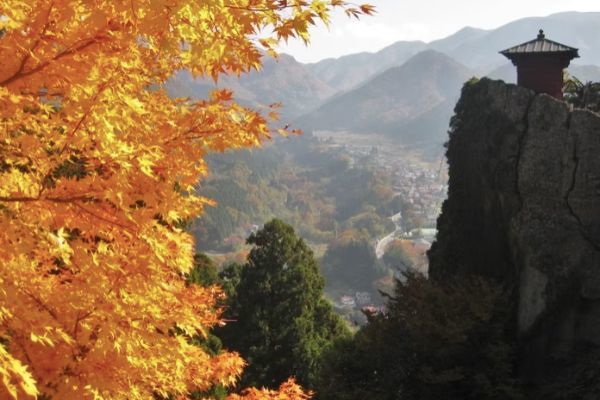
column 281, row 80
column 407, row 89
column 394, row 98
column 475, row 48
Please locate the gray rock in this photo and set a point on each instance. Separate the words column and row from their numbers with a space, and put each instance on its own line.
column 523, row 209
column 531, row 302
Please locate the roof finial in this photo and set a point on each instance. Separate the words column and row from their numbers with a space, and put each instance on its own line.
column 541, row 34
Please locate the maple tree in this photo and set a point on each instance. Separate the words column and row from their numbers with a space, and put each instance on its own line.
column 98, row 169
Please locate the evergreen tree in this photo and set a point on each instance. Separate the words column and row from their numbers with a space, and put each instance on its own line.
column 282, row 323
column 435, row 341
column 350, row 263
column 229, row 278
column 204, row 272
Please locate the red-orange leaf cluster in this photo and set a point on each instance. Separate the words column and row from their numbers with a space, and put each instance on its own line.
column 98, row 170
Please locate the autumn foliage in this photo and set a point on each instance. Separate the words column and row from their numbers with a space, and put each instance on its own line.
column 98, row 170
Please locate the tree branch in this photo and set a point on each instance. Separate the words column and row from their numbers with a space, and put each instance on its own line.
column 25, row 199
column 36, row 43
column 20, row 74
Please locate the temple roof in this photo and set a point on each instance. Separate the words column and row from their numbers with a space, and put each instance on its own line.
column 540, row 45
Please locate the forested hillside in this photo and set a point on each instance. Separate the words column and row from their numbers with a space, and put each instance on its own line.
column 411, row 103
column 335, row 203
column 316, row 190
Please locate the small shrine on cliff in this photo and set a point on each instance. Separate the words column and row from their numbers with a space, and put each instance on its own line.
column 540, row 64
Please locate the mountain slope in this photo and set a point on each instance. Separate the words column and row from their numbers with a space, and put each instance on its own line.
column 572, row 28
column 459, row 38
column 283, row 80
column 302, row 88
column 347, row 72
column 476, row 48
column 392, row 101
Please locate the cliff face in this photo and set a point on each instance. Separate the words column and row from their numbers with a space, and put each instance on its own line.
column 523, row 208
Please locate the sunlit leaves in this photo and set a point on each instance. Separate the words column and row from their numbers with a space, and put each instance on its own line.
column 98, row 169
column 287, row 391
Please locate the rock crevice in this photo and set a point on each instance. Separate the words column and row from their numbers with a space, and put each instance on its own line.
column 522, row 139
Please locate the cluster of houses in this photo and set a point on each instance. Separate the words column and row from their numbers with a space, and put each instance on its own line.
column 349, row 302
column 357, row 304
column 422, row 185
column 236, row 240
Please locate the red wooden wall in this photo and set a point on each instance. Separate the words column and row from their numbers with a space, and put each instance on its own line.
column 543, row 74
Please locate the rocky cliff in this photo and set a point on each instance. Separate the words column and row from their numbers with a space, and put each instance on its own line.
column 523, row 209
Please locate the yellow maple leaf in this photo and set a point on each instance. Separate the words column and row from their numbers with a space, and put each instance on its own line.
column 99, row 168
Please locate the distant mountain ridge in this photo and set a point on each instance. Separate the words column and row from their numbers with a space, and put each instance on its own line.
column 575, row 29
column 347, row 72
column 281, row 80
column 422, row 91
column 476, row 48
column 407, row 89
column 462, row 36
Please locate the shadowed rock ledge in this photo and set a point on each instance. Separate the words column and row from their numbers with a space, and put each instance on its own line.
column 523, row 209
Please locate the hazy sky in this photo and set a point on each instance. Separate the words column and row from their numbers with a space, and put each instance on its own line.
column 421, row 20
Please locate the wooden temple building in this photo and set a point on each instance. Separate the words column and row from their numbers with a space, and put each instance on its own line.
column 540, row 64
